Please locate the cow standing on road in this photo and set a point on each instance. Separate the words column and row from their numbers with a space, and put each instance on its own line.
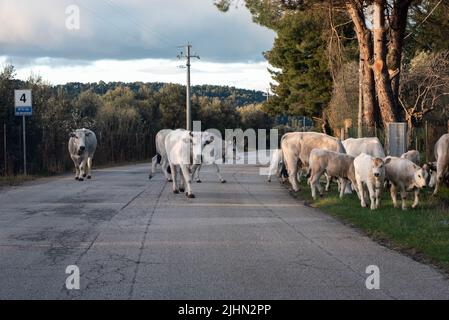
column 82, row 146
column 183, row 151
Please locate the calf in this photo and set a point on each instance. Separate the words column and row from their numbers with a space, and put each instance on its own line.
column 442, row 157
column 405, row 176
column 370, row 175
column 413, row 156
column 82, row 146
column 335, row 164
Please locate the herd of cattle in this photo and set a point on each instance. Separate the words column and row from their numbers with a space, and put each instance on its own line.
column 360, row 164
column 356, row 164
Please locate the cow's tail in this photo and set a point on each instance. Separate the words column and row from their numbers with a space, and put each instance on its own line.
column 276, row 160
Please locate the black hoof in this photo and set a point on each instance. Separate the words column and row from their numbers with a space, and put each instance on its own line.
column 190, row 196
column 76, row 178
column 89, row 177
column 170, row 180
column 84, row 175
column 224, row 181
column 81, row 179
column 182, row 189
column 199, row 181
column 176, row 191
column 150, row 177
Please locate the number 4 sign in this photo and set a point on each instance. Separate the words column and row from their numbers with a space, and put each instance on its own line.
column 23, row 103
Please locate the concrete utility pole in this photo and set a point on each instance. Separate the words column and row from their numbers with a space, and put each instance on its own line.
column 267, row 94
column 188, row 56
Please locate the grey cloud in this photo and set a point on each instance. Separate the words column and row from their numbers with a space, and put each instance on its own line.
column 118, row 29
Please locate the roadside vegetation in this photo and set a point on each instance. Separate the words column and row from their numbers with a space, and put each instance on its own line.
column 422, row 233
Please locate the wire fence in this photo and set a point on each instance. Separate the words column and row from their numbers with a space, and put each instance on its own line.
column 47, row 153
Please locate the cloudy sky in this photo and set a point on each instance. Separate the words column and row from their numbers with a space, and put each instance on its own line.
column 133, row 40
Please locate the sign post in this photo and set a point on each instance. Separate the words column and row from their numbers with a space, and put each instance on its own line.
column 23, row 108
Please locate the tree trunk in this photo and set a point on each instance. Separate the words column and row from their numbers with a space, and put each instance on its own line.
column 396, row 44
column 385, row 95
column 366, row 52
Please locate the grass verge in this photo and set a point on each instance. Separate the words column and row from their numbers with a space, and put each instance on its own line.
column 15, row 180
column 422, row 233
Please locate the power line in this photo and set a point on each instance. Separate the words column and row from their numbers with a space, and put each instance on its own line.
column 139, row 24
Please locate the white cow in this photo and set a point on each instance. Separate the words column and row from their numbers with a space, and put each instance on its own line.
column 335, row 164
column 369, row 146
column 211, row 154
column 161, row 155
column 370, row 175
column 296, row 148
column 183, row 151
column 405, row 176
column 442, row 159
column 82, row 146
column 413, row 156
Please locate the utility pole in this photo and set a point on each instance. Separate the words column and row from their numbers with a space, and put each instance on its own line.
column 360, row 111
column 267, row 94
column 188, row 56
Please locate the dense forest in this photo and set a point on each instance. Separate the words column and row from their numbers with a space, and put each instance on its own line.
column 125, row 117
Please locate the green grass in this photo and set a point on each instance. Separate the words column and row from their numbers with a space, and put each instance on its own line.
column 422, row 233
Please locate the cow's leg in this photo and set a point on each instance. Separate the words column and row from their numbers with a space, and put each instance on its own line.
column 394, row 195
column 89, row 168
column 328, row 182
column 83, row 170
column 314, row 182
column 182, row 183
column 343, row 183
column 220, row 177
column 164, row 165
column 187, row 178
column 173, row 178
column 404, row 198
column 362, row 193
column 292, row 169
column 416, row 202
column 77, row 170
column 439, row 178
column 372, row 195
column 153, row 166
column 196, row 173
column 378, row 192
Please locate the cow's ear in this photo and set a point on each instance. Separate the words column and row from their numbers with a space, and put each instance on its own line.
column 388, row 160
column 191, row 133
column 72, row 134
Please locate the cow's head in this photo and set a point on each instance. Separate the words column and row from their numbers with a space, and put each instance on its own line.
column 78, row 138
column 378, row 167
column 421, row 176
column 198, row 141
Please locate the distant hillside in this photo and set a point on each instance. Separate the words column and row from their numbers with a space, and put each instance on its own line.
column 239, row 97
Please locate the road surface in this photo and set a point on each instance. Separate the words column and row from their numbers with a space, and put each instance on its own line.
column 134, row 239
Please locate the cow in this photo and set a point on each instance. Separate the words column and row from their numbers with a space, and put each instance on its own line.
column 405, row 176
column 183, row 151
column 210, row 155
column 413, row 156
column 369, row 146
column 335, row 164
column 369, row 175
column 82, row 146
column 296, row 148
column 161, row 155
column 442, row 159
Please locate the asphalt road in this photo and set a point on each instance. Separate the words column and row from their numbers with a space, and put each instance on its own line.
column 133, row 239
